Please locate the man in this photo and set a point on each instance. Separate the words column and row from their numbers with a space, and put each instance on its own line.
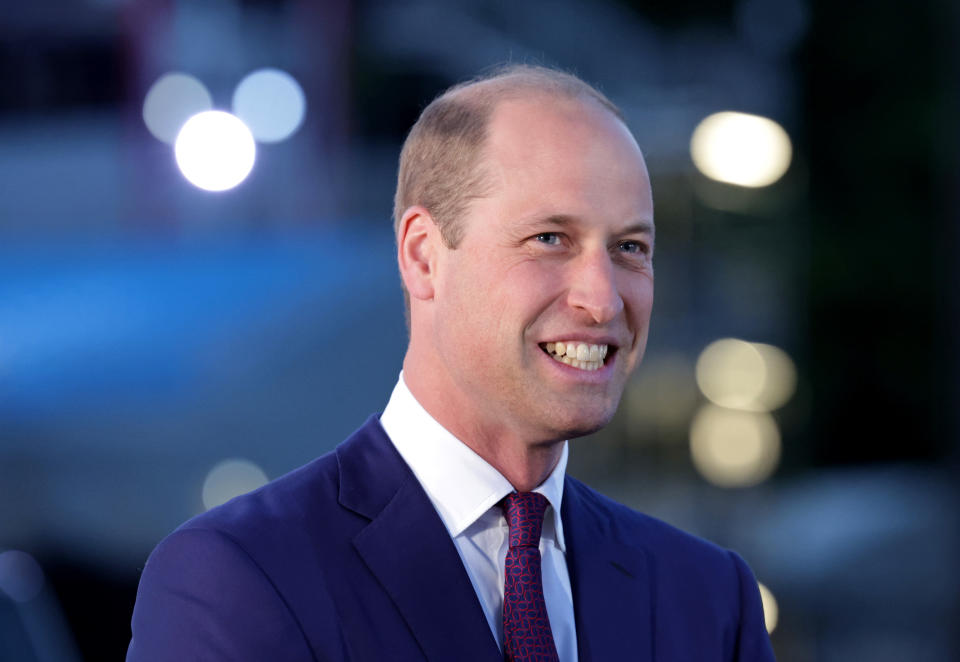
column 446, row 529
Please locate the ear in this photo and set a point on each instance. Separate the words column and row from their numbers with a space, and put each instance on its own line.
column 417, row 244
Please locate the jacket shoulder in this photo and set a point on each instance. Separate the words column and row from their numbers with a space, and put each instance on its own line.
column 664, row 544
column 282, row 502
column 242, row 576
column 305, row 499
column 694, row 582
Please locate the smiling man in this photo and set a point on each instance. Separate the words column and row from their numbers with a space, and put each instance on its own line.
column 446, row 529
column 556, row 250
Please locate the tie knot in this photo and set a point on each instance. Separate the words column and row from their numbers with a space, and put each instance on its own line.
column 524, row 511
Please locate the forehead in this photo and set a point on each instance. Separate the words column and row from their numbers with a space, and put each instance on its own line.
column 566, row 157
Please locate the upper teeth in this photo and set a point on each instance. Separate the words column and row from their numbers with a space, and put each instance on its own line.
column 578, row 354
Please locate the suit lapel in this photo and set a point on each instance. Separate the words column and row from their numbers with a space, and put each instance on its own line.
column 612, row 593
column 410, row 552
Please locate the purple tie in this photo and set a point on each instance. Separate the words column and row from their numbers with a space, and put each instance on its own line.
column 526, row 627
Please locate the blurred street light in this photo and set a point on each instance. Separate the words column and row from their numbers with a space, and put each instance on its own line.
column 171, row 101
column 737, row 148
column 271, row 103
column 771, row 612
column 743, row 375
column 732, row 448
column 21, row 577
column 215, row 150
column 229, row 479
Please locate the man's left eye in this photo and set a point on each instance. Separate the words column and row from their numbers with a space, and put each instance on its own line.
column 550, row 238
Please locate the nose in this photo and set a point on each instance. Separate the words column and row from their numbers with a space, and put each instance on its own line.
column 593, row 287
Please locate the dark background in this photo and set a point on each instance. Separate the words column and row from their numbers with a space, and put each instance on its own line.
column 149, row 329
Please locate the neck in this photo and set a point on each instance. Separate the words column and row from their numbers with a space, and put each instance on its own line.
column 526, row 467
column 524, row 462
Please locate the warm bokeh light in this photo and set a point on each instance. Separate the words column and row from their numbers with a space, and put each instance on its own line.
column 215, row 150
column 731, row 373
column 270, row 102
column 771, row 612
column 732, row 448
column 742, row 149
column 171, row 101
column 21, row 577
column 781, row 377
column 231, row 478
column 742, row 375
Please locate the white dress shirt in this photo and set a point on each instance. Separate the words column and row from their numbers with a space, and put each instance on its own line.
column 465, row 490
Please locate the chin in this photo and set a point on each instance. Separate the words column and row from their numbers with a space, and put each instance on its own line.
column 581, row 424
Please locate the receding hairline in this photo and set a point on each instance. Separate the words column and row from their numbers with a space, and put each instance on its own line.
column 442, row 159
column 523, row 82
column 483, row 94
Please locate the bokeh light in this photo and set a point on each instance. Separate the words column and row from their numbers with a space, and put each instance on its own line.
column 731, row 373
column 743, row 375
column 732, row 448
column 231, row 478
column 215, row 150
column 21, row 577
column 781, row 377
column 771, row 612
column 742, row 149
column 171, row 101
column 271, row 103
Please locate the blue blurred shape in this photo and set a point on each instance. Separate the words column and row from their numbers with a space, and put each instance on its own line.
column 91, row 326
column 20, row 576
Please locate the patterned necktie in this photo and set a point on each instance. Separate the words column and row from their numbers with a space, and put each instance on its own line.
column 526, row 627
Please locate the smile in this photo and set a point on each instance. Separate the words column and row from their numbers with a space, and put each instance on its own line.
column 577, row 354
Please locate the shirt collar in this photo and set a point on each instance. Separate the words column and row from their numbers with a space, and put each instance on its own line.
column 461, row 485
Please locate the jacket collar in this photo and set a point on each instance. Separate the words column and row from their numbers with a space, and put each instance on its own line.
column 407, row 548
column 611, row 583
column 462, row 486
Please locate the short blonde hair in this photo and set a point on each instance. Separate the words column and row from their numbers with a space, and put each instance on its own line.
column 441, row 164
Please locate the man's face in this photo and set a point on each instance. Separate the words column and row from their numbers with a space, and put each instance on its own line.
column 560, row 252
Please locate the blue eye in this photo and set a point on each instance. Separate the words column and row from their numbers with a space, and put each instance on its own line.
column 632, row 247
column 550, row 238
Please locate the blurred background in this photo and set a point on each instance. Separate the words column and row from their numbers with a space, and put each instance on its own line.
column 188, row 309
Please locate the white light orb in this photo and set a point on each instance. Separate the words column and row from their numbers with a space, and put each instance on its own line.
column 781, row 377
column 171, row 101
column 229, row 479
column 731, row 373
column 737, row 148
column 733, row 448
column 215, row 151
column 771, row 612
column 270, row 102
column 743, row 375
column 21, row 577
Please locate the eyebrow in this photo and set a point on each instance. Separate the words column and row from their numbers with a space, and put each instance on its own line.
column 564, row 220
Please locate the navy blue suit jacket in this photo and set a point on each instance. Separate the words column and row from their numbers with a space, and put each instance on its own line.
column 346, row 559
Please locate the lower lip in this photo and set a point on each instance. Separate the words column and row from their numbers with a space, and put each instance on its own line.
column 601, row 374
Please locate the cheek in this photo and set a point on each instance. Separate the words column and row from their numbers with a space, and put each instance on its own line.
column 526, row 292
column 638, row 300
column 462, row 287
column 479, row 308
column 638, row 287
